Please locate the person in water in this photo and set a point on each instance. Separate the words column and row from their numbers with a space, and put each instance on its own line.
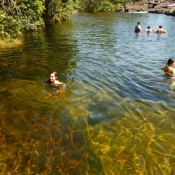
column 138, row 28
column 53, row 80
column 56, row 83
column 160, row 30
column 169, row 68
column 148, row 30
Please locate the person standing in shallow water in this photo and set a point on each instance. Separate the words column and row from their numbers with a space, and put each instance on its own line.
column 169, row 68
column 160, row 30
column 148, row 30
column 138, row 28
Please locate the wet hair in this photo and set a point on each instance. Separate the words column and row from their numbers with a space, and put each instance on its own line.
column 160, row 26
column 170, row 61
column 148, row 27
column 138, row 23
column 55, row 73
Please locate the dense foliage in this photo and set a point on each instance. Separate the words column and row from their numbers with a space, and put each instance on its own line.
column 57, row 10
column 98, row 6
column 18, row 16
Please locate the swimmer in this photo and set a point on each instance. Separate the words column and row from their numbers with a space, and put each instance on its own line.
column 169, row 68
column 148, row 30
column 53, row 80
column 60, row 87
column 160, row 30
column 138, row 28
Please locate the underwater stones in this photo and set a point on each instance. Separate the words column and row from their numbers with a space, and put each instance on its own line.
column 41, row 161
column 167, row 126
column 64, row 128
column 123, row 138
column 74, row 139
column 170, row 138
column 160, row 147
column 99, row 108
column 109, row 168
column 153, row 168
column 95, row 118
column 139, row 162
column 77, row 140
column 149, row 129
column 100, row 149
column 94, row 163
column 48, row 149
column 71, row 160
column 67, row 149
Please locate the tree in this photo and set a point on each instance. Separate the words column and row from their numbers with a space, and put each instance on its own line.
column 18, row 16
column 57, row 10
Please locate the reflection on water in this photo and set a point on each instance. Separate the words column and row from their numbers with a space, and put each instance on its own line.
column 117, row 113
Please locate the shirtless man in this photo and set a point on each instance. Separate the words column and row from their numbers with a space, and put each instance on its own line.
column 169, row 68
column 138, row 28
column 160, row 30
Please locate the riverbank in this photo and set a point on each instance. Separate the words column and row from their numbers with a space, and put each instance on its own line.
column 165, row 7
column 7, row 43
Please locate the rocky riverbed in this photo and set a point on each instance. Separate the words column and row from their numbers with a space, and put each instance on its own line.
column 164, row 7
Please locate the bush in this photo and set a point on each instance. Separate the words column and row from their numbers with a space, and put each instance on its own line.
column 108, row 7
column 18, row 16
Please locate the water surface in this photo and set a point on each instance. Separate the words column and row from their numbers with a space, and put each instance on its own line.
column 117, row 114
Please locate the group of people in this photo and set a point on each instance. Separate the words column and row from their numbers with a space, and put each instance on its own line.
column 169, row 68
column 53, row 82
column 138, row 29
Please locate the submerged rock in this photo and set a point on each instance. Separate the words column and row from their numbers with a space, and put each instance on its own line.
column 99, row 108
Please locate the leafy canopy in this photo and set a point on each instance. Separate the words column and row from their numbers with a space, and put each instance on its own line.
column 19, row 16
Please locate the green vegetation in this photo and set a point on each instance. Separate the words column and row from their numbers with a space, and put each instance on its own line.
column 97, row 6
column 19, row 16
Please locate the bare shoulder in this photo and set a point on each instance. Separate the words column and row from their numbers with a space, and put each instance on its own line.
column 58, row 82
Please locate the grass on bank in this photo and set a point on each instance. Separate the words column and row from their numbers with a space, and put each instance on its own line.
column 10, row 43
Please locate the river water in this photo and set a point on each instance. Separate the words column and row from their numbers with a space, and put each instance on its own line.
column 116, row 116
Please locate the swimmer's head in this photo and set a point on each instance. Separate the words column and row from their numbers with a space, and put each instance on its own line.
column 138, row 23
column 170, row 61
column 53, row 77
column 160, row 26
column 148, row 27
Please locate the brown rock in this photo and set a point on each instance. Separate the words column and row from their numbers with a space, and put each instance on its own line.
column 153, row 6
column 165, row 8
column 136, row 7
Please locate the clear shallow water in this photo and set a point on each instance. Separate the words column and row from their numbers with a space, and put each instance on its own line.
column 117, row 114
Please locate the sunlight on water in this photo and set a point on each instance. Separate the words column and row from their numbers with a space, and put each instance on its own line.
column 116, row 116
